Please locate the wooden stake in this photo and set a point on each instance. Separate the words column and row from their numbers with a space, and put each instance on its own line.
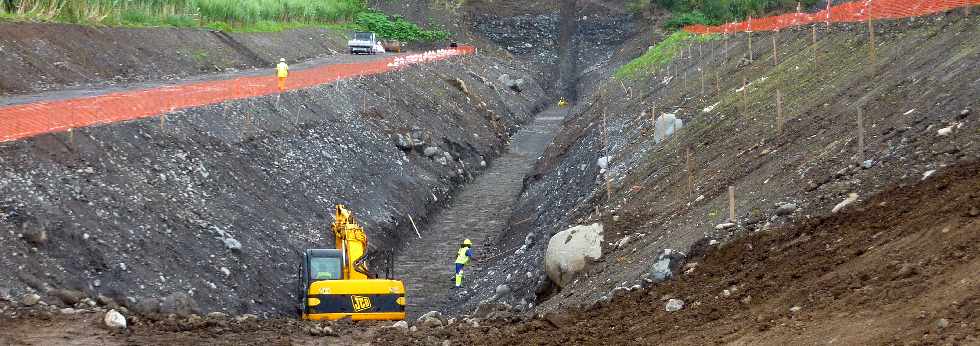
column 750, row 47
column 71, row 137
column 717, row 83
column 745, row 97
column 653, row 114
column 726, row 46
column 690, row 175
column 860, row 129
column 775, row 54
column 871, row 37
column 731, row 203
column 414, row 227
column 605, row 128
column 163, row 119
column 813, row 31
column 702, row 80
column 779, row 111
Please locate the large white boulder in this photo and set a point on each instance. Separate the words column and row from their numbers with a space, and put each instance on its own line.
column 568, row 251
column 665, row 126
column 113, row 319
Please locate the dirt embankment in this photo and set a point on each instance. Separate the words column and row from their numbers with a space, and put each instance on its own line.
column 214, row 204
column 900, row 268
column 40, row 57
column 923, row 81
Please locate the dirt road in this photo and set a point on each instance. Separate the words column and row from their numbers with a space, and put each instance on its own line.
column 479, row 213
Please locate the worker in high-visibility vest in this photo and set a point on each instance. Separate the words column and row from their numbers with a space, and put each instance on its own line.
column 282, row 71
column 562, row 103
column 463, row 257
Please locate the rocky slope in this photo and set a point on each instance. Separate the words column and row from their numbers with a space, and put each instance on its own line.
column 918, row 101
column 39, row 57
column 207, row 209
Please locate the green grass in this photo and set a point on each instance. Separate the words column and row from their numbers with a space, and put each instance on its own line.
column 658, row 56
column 712, row 12
column 255, row 14
column 224, row 15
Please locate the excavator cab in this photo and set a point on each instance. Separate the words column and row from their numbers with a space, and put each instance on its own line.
column 335, row 283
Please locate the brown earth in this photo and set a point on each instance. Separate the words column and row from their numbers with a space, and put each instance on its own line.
column 901, row 268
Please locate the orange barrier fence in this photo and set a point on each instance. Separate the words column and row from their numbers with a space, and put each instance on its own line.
column 857, row 11
column 27, row 120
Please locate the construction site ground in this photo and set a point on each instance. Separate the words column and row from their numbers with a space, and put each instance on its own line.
column 881, row 245
column 900, row 268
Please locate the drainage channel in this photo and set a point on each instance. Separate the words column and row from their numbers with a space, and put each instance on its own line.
column 479, row 212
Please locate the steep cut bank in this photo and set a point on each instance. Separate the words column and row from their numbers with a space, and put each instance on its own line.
column 207, row 209
column 900, row 268
column 919, row 117
column 39, row 57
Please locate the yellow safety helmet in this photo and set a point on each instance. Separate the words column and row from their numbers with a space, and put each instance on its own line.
column 467, row 242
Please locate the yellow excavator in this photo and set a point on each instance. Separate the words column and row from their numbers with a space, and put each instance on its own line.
column 336, row 283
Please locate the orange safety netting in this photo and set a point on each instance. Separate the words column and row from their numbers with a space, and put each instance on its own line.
column 27, row 120
column 857, row 11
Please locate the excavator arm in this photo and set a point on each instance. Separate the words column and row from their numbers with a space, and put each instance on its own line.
column 352, row 242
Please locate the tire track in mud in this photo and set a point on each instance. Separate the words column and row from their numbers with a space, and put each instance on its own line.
column 478, row 212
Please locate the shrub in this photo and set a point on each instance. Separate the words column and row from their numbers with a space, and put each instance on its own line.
column 396, row 28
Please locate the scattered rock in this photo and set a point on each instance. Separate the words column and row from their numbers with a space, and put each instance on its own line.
column 667, row 264
column 403, row 142
column 36, row 237
column 946, row 131
column 68, row 311
column 965, row 113
column 483, row 310
column 568, row 251
column 106, row 301
column 502, row 291
column 907, row 270
column 851, row 198
column 674, row 305
column 180, row 304
column 400, row 324
column 218, row 315
column 430, row 151
column 113, row 319
column 603, row 162
column 665, row 126
column 927, row 174
column 30, row 299
column 146, row 307
column 233, row 244
column 795, row 309
column 246, row 317
column 68, row 297
column 442, row 160
column 867, row 164
column 942, row 323
column 622, row 242
column 786, row 209
column 5, row 294
column 516, row 85
column 431, row 319
column 724, row 226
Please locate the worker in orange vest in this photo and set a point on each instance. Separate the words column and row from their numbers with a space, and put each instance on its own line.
column 282, row 71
